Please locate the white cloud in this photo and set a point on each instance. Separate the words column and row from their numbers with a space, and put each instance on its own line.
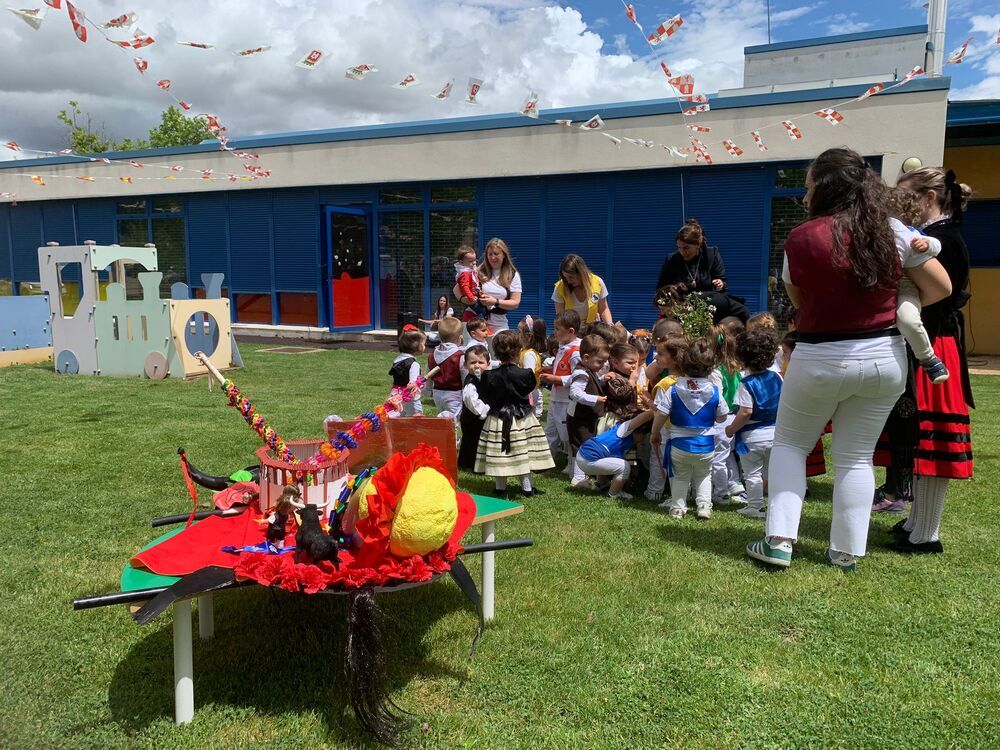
column 784, row 16
column 845, row 23
column 983, row 56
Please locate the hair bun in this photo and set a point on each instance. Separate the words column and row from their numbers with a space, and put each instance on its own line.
column 692, row 223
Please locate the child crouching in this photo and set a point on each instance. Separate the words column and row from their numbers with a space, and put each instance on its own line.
column 512, row 443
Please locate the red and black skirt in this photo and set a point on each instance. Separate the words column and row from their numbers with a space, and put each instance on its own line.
column 944, row 447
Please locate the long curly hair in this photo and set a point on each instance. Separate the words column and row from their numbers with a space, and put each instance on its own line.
column 846, row 188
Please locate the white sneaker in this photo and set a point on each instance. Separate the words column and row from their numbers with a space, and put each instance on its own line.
column 704, row 510
column 623, row 495
column 722, row 500
column 582, row 484
column 736, row 488
column 677, row 513
column 750, row 512
column 654, row 497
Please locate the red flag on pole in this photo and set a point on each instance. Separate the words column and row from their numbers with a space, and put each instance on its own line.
column 76, row 18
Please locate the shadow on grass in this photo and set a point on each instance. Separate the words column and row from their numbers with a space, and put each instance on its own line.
column 279, row 653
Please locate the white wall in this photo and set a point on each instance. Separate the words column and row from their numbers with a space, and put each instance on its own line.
column 893, row 126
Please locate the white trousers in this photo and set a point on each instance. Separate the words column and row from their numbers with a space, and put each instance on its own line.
column 754, row 464
column 555, row 427
column 657, row 474
column 690, row 469
column 537, row 403
column 909, row 322
column 724, row 471
column 857, row 394
column 617, row 468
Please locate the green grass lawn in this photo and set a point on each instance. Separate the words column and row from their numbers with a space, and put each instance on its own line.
column 618, row 629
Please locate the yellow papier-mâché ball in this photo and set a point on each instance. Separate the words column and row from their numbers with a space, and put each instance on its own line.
column 425, row 514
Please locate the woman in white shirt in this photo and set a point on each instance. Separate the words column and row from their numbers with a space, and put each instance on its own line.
column 582, row 290
column 501, row 284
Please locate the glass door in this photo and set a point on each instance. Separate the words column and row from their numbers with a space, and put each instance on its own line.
column 348, row 241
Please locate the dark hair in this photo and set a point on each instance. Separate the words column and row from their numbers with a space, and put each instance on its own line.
column 670, row 295
column 846, row 188
column 533, row 338
column 551, row 345
column 507, row 345
column 621, row 398
column 599, row 328
column 664, row 328
column 621, row 351
column 733, row 325
column 476, row 324
column 477, row 349
column 698, row 359
column 691, row 233
column 568, row 319
column 675, row 346
column 791, row 339
column 437, row 310
column 593, row 344
column 757, row 348
column 464, row 250
column 411, row 341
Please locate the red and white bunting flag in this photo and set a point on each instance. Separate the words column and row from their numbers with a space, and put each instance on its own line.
column 136, row 164
column 876, row 89
column 475, row 85
column 956, row 57
column 915, row 73
column 198, row 45
column 252, row 51
column 311, row 60
column 793, row 132
column 121, row 22
column 676, row 152
column 37, row 180
column 594, row 123
column 360, row 71
column 530, row 106
column 13, row 146
column 664, row 30
column 141, row 65
column 734, row 150
column 639, row 142
column 630, row 12
column 410, row 80
column 31, row 16
column 84, row 178
column 232, row 177
column 699, row 128
column 684, row 84
column 832, row 116
column 694, row 98
column 700, row 151
column 176, row 168
column 64, row 151
column 666, row 71
column 566, row 123
column 7, row 195
column 76, row 18
column 164, row 84
column 141, row 39
column 758, row 140
column 57, row 4
column 184, row 105
column 123, row 45
column 245, row 155
column 224, row 143
column 126, row 179
column 696, row 109
column 445, row 91
column 101, row 159
column 615, row 140
column 206, row 174
column 998, row 36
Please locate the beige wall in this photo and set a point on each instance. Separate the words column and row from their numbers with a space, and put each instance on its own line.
column 894, row 126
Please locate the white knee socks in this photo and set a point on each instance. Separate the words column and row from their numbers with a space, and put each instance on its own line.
column 924, row 522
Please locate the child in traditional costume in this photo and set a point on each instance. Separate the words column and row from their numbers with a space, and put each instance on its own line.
column 405, row 370
column 586, row 399
column 474, row 410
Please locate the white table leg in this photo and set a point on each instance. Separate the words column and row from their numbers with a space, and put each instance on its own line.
column 489, row 570
column 183, row 663
column 206, row 616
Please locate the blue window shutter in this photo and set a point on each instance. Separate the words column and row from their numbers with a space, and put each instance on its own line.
column 250, row 240
column 979, row 226
column 647, row 214
column 95, row 220
column 512, row 211
column 728, row 203
column 26, row 234
column 296, row 240
column 5, row 259
column 57, row 223
column 346, row 195
column 207, row 236
column 576, row 221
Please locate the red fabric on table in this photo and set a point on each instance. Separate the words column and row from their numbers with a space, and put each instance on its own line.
column 200, row 545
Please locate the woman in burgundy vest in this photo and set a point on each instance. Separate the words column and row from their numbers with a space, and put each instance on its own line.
column 842, row 267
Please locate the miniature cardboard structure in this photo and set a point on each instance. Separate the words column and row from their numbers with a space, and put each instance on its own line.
column 119, row 336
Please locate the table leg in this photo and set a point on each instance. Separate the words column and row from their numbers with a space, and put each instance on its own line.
column 183, row 663
column 206, row 616
column 489, row 569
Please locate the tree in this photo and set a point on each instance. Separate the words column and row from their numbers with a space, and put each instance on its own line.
column 174, row 130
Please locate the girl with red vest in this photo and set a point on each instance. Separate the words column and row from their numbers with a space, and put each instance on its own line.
column 842, row 267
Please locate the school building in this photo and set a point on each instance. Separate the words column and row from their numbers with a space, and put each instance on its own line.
column 358, row 226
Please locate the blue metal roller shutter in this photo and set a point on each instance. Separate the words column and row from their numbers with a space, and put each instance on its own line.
column 347, row 195
column 26, row 236
column 207, row 236
column 296, row 240
column 647, row 213
column 250, row 215
column 57, row 223
column 512, row 210
column 95, row 220
column 730, row 206
column 5, row 255
column 979, row 227
column 576, row 221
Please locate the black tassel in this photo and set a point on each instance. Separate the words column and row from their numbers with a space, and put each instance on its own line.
column 365, row 668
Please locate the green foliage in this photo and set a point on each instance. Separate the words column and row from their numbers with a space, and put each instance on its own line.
column 620, row 628
column 695, row 314
column 175, row 129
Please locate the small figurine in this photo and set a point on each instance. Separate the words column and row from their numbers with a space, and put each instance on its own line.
column 312, row 544
column 277, row 521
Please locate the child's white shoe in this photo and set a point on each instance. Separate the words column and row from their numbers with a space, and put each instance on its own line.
column 582, row 483
column 751, row 512
column 703, row 510
column 623, row 495
column 652, row 496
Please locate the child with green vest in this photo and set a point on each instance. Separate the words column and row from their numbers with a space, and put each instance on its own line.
column 726, row 485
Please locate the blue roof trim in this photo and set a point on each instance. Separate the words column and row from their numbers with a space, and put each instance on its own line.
column 973, row 112
column 503, row 121
column 821, row 41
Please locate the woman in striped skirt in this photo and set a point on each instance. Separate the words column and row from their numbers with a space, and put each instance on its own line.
column 943, row 439
column 512, row 443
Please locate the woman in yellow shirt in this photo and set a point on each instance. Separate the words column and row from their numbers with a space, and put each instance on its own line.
column 579, row 289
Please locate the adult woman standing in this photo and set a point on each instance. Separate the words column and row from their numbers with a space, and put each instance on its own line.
column 841, row 271
column 942, row 444
column 697, row 267
column 501, row 284
column 442, row 311
column 579, row 289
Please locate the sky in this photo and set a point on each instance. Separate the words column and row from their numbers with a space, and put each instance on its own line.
column 579, row 53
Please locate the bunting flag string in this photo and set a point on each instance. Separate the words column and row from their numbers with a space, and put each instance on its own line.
column 530, row 106
column 758, row 140
column 123, row 21
column 832, row 116
column 793, row 132
column 475, row 84
column 665, row 30
column 31, row 16
column 956, row 57
column 734, row 150
column 445, row 91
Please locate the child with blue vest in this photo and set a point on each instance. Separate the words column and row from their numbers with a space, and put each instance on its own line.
column 753, row 426
column 694, row 406
column 604, row 455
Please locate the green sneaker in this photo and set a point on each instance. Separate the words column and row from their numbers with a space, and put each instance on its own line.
column 847, row 563
column 779, row 554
